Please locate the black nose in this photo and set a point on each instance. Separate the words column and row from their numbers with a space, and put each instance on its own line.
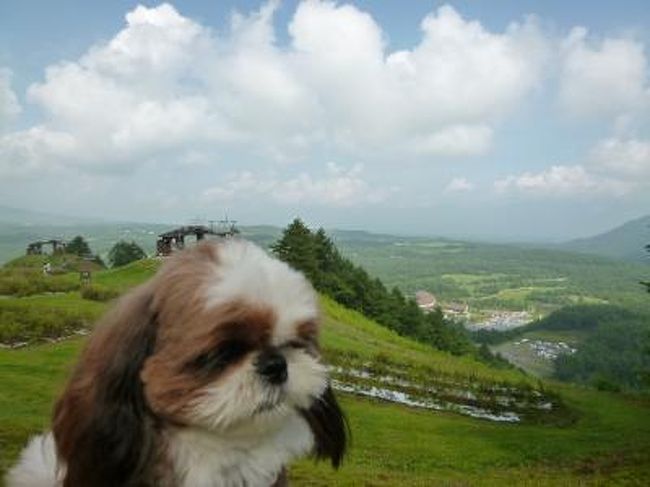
column 273, row 367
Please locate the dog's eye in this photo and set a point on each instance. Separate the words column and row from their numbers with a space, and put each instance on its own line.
column 297, row 344
column 220, row 357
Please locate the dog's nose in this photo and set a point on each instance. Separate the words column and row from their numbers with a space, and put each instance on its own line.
column 273, row 367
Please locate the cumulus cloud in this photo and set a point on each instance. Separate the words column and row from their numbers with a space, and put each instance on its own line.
column 340, row 187
column 22, row 153
column 459, row 185
column 561, row 181
column 165, row 82
column 439, row 95
column 9, row 106
column 606, row 77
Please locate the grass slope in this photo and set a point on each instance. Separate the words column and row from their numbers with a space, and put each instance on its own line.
column 607, row 439
column 395, row 445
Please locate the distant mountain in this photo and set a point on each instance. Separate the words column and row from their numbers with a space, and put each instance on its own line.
column 626, row 242
column 18, row 227
column 26, row 218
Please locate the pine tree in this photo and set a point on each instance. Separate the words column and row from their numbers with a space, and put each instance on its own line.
column 297, row 248
column 315, row 254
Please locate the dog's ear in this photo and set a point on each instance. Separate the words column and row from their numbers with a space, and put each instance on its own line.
column 103, row 428
column 329, row 427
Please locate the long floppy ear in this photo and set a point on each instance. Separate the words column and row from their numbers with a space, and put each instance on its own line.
column 329, row 426
column 104, row 431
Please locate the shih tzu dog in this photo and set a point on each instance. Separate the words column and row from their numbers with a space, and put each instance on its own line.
column 207, row 375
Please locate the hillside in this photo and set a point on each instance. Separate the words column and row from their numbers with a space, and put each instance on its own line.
column 418, row 416
column 491, row 277
column 600, row 345
column 485, row 276
column 625, row 242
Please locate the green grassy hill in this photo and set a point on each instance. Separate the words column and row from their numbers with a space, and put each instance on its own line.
column 418, row 416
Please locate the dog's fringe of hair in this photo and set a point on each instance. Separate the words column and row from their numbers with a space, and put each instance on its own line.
column 105, row 433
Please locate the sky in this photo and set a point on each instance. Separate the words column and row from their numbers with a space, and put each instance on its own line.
column 500, row 120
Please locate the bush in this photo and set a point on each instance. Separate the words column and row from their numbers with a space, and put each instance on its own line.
column 23, row 324
column 95, row 292
column 78, row 246
column 124, row 253
column 27, row 282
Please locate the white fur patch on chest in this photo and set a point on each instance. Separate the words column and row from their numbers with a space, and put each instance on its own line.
column 203, row 459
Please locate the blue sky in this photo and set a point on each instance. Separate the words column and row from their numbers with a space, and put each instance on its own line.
column 505, row 120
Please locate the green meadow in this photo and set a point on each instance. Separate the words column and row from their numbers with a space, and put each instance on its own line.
column 588, row 438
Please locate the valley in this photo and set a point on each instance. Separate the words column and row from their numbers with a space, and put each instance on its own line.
column 416, row 413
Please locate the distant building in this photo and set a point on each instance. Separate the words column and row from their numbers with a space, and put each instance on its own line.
column 425, row 300
column 175, row 239
column 456, row 309
column 36, row 248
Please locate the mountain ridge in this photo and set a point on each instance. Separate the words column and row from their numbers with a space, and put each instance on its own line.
column 626, row 241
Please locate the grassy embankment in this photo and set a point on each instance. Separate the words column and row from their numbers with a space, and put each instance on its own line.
column 606, row 439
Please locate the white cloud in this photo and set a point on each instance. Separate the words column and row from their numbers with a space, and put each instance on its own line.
column 458, row 75
column 615, row 166
column 455, row 140
column 338, row 188
column 602, row 78
column 165, row 82
column 561, row 181
column 625, row 157
column 24, row 153
column 459, row 185
column 9, row 106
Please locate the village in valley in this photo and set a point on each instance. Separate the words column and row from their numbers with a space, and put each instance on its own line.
column 497, row 321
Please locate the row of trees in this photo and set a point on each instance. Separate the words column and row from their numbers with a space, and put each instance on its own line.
column 120, row 254
column 614, row 356
column 315, row 254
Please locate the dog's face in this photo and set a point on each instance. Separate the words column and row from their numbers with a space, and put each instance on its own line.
column 237, row 340
column 224, row 339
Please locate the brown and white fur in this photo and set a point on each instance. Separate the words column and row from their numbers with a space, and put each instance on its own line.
column 207, row 375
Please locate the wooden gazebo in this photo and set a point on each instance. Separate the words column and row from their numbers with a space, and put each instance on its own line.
column 172, row 240
column 36, row 248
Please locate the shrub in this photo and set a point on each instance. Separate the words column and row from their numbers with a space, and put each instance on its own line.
column 124, row 253
column 27, row 282
column 96, row 292
column 23, row 324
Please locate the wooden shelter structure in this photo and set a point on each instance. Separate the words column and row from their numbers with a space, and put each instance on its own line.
column 36, row 248
column 167, row 242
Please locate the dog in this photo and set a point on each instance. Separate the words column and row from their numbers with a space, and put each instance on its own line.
column 209, row 374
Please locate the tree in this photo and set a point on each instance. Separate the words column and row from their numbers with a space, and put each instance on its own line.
column 297, row 248
column 315, row 254
column 78, row 246
column 124, row 252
